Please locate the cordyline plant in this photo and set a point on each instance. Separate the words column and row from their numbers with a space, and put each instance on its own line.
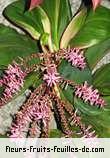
column 54, row 60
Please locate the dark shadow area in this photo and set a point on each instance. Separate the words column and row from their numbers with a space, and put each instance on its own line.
column 27, row 5
column 87, row 3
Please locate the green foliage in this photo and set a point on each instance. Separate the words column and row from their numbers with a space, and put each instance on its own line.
column 86, row 108
column 95, row 53
column 98, row 118
column 53, row 26
column 59, row 13
column 101, row 79
column 29, row 21
column 75, row 24
column 73, row 73
column 95, row 29
column 13, row 45
column 55, row 133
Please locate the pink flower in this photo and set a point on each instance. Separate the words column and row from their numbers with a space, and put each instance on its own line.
column 52, row 76
column 88, row 134
column 16, row 131
column 75, row 56
column 96, row 3
column 88, row 94
column 35, row 3
column 12, row 80
column 37, row 110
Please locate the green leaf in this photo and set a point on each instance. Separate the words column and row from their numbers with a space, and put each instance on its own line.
column 67, row 94
column 95, row 53
column 55, row 133
column 73, row 27
column 33, row 79
column 101, row 123
column 73, row 73
column 3, row 136
column 59, row 13
column 98, row 118
column 101, row 79
column 35, row 22
column 95, row 29
column 13, row 45
column 107, row 100
column 86, row 108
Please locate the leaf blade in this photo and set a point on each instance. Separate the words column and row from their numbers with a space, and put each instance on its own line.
column 73, row 27
column 95, row 29
column 13, row 44
column 101, row 79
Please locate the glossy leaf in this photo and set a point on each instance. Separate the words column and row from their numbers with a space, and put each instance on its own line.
column 86, row 108
column 96, row 29
column 13, row 45
column 101, row 79
column 95, row 53
column 32, row 21
column 59, row 13
column 98, row 118
column 73, row 27
column 72, row 73
column 101, row 124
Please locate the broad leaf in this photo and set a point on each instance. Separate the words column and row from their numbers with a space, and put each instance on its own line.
column 98, row 118
column 67, row 94
column 95, row 53
column 86, row 108
column 59, row 13
column 73, row 73
column 101, row 79
column 32, row 21
column 95, row 29
column 73, row 27
column 101, row 123
column 13, row 45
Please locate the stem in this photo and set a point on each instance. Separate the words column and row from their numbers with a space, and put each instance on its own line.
column 57, row 90
column 44, row 49
column 50, row 45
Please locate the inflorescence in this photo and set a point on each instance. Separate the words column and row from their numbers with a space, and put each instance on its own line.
column 33, row 118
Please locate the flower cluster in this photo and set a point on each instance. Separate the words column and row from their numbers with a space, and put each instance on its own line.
column 52, row 76
column 12, row 81
column 87, row 133
column 36, row 109
column 88, row 94
column 75, row 56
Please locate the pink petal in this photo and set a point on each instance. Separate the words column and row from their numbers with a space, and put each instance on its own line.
column 96, row 3
column 35, row 3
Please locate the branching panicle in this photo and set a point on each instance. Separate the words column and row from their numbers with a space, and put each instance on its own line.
column 34, row 116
